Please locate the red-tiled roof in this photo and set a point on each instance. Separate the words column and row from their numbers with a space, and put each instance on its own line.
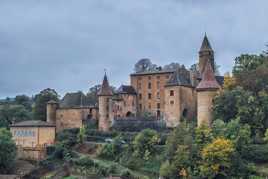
column 208, row 81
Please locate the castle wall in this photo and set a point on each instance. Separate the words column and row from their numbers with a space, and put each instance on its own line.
column 181, row 104
column 204, row 107
column 105, row 112
column 51, row 112
column 127, row 104
column 67, row 118
column 140, row 82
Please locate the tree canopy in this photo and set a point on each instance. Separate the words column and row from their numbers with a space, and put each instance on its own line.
column 7, row 151
column 41, row 100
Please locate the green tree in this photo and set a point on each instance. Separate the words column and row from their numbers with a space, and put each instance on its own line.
column 217, row 158
column 144, row 143
column 7, row 151
column 81, row 135
column 13, row 113
column 41, row 100
column 180, row 153
column 251, row 72
column 25, row 101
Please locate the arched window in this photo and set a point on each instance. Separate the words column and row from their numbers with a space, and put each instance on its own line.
column 185, row 113
column 129, row 114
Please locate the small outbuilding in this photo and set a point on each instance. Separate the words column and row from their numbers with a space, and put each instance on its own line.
column 32, row 138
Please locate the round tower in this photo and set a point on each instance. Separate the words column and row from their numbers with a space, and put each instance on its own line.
column 206, row 54
column 105, row 95
column 52, row 107
column 206, row 90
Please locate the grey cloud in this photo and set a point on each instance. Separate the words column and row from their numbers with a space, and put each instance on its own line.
column 67, row 44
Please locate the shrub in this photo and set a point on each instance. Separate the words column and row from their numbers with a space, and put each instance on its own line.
column 68, row 137
column 144, row 143
column 84, row 161
column 256, row 153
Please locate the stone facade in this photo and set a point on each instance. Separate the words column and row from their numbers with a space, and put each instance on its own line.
column 67, row 118
column 124, row 105
column 150, row 88
column 32, row 138
column 204, row 103
column 180, row 102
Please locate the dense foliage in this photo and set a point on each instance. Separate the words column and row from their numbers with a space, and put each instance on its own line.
column 41, row 100
column 7, row 151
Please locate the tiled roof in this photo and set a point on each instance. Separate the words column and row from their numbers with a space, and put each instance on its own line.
column 105, row 88
column 33, row 123
column 77, row 99
column 126, row 89
column 152, row 72
column 181, row 77
column 208, row 81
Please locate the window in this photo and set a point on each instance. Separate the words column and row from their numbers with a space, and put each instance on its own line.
column 149, row 85
column 149, row 77
column 140, row 106
column 158, row 77
column 149, row 105
column 171, row 102
column 139, row 85
column 171, row 93
column 140, row 96
column 167, row 76
column 158, row 95
column 158, row 84
column 158, row 105
column 149, row 96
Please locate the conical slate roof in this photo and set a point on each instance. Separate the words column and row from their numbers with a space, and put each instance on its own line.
column 181, row 77
column 105, row 88
column 208, row 81
column 205, row 44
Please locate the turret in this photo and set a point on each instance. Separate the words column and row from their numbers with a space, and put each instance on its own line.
column 105, row 109
column 52, row 107
column 206, row 54
column 206, row 90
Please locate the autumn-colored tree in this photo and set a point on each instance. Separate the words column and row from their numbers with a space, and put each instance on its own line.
column 217, row 158
column 229, row 82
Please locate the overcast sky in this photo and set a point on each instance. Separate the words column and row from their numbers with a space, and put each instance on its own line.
column 67, row 44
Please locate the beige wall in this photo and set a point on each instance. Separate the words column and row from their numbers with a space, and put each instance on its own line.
column 127, row 104
column 184, row 99
column 105, row 113
column 25, row 140
column 204, row 107
column 140, row 84
column 31, row 141
column 47, row 135
column 73, row 117
column 51, row 112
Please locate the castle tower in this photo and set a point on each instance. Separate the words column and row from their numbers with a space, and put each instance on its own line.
column 206, row 53
column 206, row 91
column 180, row 98
column 52, row 107
column 105, row 96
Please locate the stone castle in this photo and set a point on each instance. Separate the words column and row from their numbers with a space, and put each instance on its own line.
column 166, row 94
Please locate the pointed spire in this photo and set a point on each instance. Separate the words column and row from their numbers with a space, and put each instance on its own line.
column 205, row 44
column 208, row 81
column 105, row 87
